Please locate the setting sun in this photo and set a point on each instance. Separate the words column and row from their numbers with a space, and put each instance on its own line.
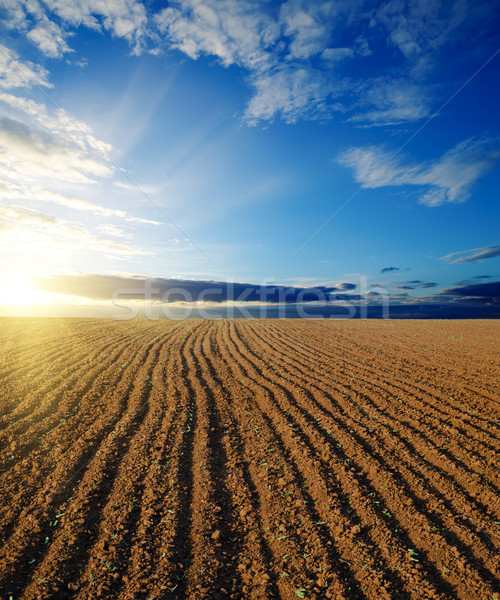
column 16, row 288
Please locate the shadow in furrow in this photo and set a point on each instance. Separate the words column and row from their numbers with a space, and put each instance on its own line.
column 183, row 545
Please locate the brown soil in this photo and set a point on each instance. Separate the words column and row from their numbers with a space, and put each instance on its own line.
column 249, row 459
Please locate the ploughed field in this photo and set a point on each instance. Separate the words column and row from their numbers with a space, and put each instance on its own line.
column 249, row 459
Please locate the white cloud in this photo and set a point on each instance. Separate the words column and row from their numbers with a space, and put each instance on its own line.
column 465, row 256
column 246, row 34
column 113, row 231
column 312, row 25
column 59, row 123
column 337, row 54
column 44, row 150
column 448, row 179
column 386, row 101
column 123, row 18
column 36, row 145
column 36, row 193
column 49, row 38
column 30, row 228
column 296, row 46
column 293, row 93
column 234, row 31
column 374, row 167
column 15, row 73
column 280, row 52
column 307, row 26
column 33, row 153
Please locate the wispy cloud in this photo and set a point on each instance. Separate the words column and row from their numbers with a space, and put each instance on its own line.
column 31, row 153
column 465, row 256
column 414, row 284
column 113, row 231
column 276, row 47
column 49, row 37
column 30, row 228
column 10, row 191
column 58, row 123
column 48, row 25
column 385, row 101
column 16, row 73
column 448, row 179
column 235, row 32
column 41, row 147
column 44, row 152
column 292, row 93
column 294, row 48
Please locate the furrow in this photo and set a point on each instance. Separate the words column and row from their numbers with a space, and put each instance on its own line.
column 348, row 351
column 159, row 506
column 211, row 505
column 374, row 394
column 300, row 425
column 74, row 407
column 389, row 436
column 38, row 404
column 300, row 546
column 256, row 575
column 22, row 355
column 330, row 503
column 26, row 547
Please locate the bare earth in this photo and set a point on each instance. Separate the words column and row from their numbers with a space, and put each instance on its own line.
column 249, row 459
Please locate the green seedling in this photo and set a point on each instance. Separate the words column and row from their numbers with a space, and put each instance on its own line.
column 413, row 555
column 301, row 593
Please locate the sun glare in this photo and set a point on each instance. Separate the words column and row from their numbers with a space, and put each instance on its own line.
column 16, row 288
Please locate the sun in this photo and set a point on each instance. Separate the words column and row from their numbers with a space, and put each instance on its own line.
column 16, row 288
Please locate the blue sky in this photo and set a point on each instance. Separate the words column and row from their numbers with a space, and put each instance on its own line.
column 215, row 140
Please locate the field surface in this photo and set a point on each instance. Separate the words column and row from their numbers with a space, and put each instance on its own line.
column 249, row 459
